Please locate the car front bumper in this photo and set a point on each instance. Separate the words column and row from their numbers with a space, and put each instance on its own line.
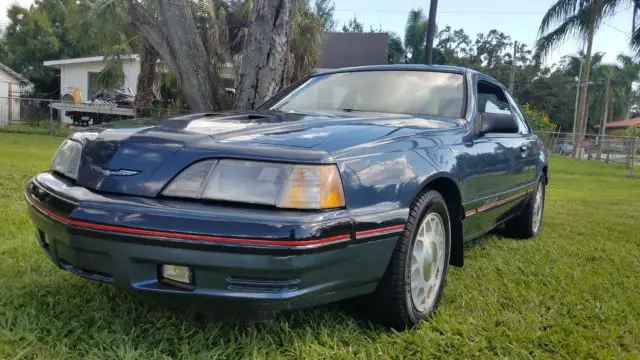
column 262, row 258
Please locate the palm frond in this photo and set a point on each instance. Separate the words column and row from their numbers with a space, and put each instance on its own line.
column 559, row 11
column 307, row 36
column 575, row 26
column 112, row 76
column 634, row 42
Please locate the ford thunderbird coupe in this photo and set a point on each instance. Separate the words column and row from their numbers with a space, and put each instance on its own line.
column 361, row 182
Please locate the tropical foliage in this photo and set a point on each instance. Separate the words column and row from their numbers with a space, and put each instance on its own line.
column 538, row 121
column 48, row 30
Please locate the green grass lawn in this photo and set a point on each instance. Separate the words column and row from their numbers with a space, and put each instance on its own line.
column 574, row 292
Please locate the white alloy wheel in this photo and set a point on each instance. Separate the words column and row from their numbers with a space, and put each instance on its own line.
column 538, row 204
column 427, row 262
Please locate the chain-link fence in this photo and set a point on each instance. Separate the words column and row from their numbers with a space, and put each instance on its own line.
column 624, row 150
column 47, row 116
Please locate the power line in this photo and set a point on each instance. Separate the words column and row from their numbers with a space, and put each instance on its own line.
column 616, row 29
column 446, row 12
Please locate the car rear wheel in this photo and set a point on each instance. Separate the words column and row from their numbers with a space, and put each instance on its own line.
column 527, row 224
column 412, row 286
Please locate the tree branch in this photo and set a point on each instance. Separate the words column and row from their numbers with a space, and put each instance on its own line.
column 152, row 33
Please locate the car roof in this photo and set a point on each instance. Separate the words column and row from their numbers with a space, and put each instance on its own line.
column 400, row 67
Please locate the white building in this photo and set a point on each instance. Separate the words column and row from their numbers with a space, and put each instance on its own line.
column 12, row 86
column 80, row 73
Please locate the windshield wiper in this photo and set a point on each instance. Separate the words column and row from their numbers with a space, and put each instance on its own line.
column 352, row 110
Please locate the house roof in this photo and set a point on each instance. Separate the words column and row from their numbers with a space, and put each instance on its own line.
column 81, row 60
column 624, row 123
column 341, row 50
column 21, row 79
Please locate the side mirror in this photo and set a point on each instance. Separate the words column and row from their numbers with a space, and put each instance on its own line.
column 497, row 123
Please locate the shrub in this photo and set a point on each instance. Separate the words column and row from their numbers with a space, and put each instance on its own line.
column 537, row 120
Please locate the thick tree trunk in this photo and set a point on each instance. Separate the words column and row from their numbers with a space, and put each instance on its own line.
column 264, row 60
column 146, row 80
column 175, row 37
column 581, row 121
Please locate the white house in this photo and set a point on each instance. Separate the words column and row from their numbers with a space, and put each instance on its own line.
column 80, row 73
column 12, row 86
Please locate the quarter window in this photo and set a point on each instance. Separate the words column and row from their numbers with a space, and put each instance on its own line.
column 522, row 120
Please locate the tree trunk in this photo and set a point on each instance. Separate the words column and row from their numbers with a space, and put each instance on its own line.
column 263, row 69
column 146, row 80
column 174, row 35
column 582, row 102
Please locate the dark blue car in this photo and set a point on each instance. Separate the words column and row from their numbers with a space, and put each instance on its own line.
column 362, row 181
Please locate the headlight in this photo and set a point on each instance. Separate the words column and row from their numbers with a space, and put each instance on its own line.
column 281, row 185
column 67, row 159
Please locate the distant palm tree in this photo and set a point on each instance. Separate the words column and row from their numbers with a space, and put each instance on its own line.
column 580, row 19
column 627, row 72
column 573, row 63
column 415, row 35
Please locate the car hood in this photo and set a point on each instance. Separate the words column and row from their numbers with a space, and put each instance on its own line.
column 144, row 147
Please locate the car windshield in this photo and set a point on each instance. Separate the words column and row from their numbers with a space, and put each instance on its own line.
column 404, row 92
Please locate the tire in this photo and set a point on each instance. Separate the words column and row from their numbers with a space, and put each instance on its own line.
column 524, row 225
column 394, row 303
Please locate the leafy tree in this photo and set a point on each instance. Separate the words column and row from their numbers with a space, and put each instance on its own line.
column 47, row 30
column 353, row 26
column 395, row 49
column 323, row 11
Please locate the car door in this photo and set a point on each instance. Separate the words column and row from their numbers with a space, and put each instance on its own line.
column 528, row 147
column 491, row 163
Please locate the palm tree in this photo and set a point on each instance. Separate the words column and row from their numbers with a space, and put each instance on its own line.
column 573, row 63
column 415, row 35
column 616, row 102
column 575, row 18
column 306, row 38
column 117, row 39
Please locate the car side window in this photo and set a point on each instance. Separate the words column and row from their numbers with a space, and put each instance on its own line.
column 522, row 120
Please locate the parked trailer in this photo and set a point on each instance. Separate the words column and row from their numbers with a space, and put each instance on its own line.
column 83, row 114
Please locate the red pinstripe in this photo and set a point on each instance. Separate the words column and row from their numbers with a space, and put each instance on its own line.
column 184, row 236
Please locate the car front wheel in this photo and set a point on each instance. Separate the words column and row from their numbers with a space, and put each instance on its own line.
column 412, row 286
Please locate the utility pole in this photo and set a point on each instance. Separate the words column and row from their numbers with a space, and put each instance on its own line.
column 431, row 30
column 513, row 67
column 575, row 108
column 607, row 88
column 605, row 114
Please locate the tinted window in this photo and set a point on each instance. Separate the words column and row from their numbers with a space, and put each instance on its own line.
column 404, row 92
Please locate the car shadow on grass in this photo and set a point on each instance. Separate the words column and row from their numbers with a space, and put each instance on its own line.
column 64, row 304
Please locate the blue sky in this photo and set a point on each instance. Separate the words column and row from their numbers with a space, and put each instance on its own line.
column 518, row 18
